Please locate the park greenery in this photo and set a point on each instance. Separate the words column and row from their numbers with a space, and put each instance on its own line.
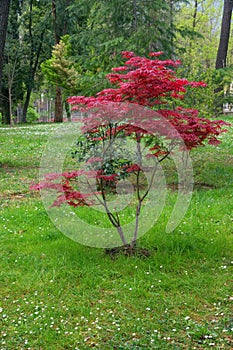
column 169, row 72
column 62, row 48
column 58, row 294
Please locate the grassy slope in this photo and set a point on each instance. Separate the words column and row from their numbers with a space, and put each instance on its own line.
column 57, row 294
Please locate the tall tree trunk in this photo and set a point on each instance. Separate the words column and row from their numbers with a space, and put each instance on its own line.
column 56, row 28
column 10, row 104
column 171, row 20
column 26, row 105
column 58, row 113
column 195, row 14
column 135, row 16
column 68, row 112
column 10, row 77
column 59, row 30
column 31, row 77
column 4, row 13
column 58, row 116
column 34, row 62
column 221, row 60
column 5, row 108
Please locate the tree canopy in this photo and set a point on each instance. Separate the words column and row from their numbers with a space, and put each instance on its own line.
column 98, row 31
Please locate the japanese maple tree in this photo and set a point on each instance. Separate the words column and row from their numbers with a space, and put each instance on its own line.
column 143, row 107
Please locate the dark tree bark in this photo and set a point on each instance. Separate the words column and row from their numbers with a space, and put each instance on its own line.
column 4, row 14
column 195, row 14
column 32, row 73
column 6, row 119
column 55, row 24
column 221, row 59
column 60, row 28
column 35, row 52
column 58, row 112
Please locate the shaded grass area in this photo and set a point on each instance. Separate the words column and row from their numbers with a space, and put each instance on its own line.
column 58, row 294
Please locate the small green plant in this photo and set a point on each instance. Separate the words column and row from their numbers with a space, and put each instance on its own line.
column 32, row 115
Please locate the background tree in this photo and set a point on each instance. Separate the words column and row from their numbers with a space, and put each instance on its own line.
column 197, row 34
column 60, row 70
column 105, row 28
column 221, row 60
column 99, row 31
column 12, row 86
column 10, row 73
column 60, row 25
column 197, row 39
column 34, row 33
column 4, row 12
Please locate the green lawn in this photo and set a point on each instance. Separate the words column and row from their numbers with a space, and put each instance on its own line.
column 57, row 294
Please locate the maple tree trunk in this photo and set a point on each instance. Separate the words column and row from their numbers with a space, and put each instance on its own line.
column 121, row 234
column 135, row 236
column 58, row 115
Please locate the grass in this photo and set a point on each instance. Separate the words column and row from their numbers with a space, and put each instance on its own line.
column 58, row 294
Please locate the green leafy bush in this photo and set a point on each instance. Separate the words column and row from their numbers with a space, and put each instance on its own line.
column 32, row 115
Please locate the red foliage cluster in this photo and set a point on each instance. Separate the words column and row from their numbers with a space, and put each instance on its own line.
column 144, row 81
column 65, row 189
column 147, row 82
column 152, row 83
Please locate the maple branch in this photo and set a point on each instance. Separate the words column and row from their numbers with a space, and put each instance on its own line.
column 115, row 220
